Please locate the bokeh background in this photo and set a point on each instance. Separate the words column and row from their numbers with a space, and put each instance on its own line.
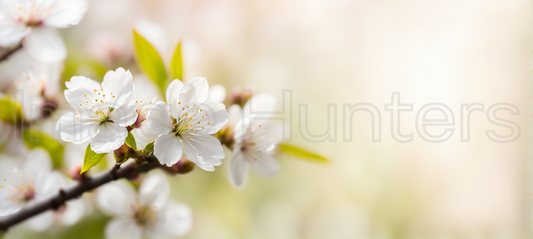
column 338, row 52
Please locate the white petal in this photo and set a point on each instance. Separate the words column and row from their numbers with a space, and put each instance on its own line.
column 31, row 102
column 124, row 115
column 242, row 128
column 77, row 89
column 38, row 164
column 167, row 149
column 42, row 221
column 208, row 148
column 206, row 154
column 159, row 119
column 216, row 115
column 154, row 190
column 173, row 93
column 73, row 155
column 66, row 13
column 73, row 212
column 174, row 221
column 110, row 137
column 45, row 45
column 118, row 83
column 195, row 91
column 76, row 129
column 7, row 206
column 202, row 88
column 123, row 228
column 82, row 81
column 217, row 93
column 48, row 184
column 234, row 115
column 12, row 33
column 265, row 166
column 262, row 105
column 238, row 167
column 116, row 199
column 274, row 135
column 143, row 136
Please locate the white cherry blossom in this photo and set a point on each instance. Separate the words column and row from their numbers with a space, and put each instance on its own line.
column 102, row 111
column 146, row 213
column 33, row 182
column 145, row 95
column 255, row 139
column 66, row 215
column 21, row 186
column 34, row 21
column 185, row 124
column 37, row 85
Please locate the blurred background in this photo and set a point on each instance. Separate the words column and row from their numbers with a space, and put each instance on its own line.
column 342, row 52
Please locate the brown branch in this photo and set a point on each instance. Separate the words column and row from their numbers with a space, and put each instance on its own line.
column 10, row 52
column 77, row 190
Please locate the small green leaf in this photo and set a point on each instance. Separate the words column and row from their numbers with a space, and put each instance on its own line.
column 150, row 61
column 302, row 153
column 130, row 141
column 10, row 111
column 34, row 139
column 149, row 148
column 176, row 65
column 91, row 159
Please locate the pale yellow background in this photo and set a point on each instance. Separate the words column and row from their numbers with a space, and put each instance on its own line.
column 341, row 51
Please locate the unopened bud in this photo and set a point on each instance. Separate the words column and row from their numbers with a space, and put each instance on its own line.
column 225, row 136
column 75, row 173
column 48, row 107
column 240, row 96
column 123, row 153
column 181, row 167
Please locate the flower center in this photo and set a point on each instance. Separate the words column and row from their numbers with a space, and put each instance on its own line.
column 32, row 82
column 99, row 105
column 102, row 116
column 144, row 215
column 21, row 188
column 31, row 14
column 193, row 118
column 256, row 143
column 143, row 107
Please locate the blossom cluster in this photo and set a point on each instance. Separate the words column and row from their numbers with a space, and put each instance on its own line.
column 191, row 126
column 186, row 124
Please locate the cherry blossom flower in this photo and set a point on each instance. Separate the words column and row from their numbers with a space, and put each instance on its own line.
column 255, row 139
column 147, row 213
column 23, row 186
column 186, row 123
column 68, row 214
column 33, row 22
column 146, row 94
column 102, row 111
column 36, row 86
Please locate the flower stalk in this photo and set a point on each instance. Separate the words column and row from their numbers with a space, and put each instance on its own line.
column 83, row 186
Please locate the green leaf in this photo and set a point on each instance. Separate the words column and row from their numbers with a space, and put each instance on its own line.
column 150, row 61
column 302, row 153
column 149, row 148
column 91, row 159
column 130, row 141
column 34, row 139
column 176, row 65
column 10, row 111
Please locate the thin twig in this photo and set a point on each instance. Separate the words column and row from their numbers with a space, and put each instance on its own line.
column 76, row 191
column 10, row 52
